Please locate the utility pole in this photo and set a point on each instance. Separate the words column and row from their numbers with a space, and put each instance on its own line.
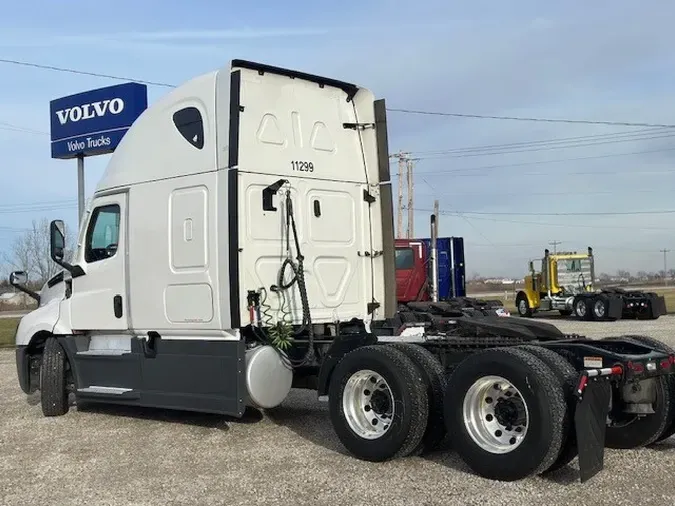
column 555, row 244
column 665, row 265
column 410, row 199
column 434, row 253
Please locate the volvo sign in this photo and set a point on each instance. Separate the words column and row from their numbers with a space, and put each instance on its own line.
column 94, row 122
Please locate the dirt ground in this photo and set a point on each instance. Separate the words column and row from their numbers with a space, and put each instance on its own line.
column 290, row 455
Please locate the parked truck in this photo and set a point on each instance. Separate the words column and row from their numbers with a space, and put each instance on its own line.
column 415, row 268
column 566, row 283
column 227, row 259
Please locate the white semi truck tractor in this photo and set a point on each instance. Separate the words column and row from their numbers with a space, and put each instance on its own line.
column 240, row 243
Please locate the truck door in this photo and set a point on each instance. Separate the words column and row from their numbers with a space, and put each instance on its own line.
column 98, row 300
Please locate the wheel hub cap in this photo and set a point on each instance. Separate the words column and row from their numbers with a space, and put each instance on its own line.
column 368, row 404
column 495, row 414
column 599, row 308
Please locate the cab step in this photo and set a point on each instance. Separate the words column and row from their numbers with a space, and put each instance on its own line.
column 96, row 391
column 102, row 353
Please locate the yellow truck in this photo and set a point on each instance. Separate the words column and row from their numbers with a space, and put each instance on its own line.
column 565, row 283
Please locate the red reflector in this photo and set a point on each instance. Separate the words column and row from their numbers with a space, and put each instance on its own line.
column 665, row 364
column 617, row 369
column 636, row 367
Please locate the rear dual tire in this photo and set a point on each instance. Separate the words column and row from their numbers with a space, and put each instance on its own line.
column 378, row 403
column 507, row 413
column 386, row 401
column 652, row 428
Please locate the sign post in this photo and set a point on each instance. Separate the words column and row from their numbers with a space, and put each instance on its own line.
column 80, row 188
column 93, row 123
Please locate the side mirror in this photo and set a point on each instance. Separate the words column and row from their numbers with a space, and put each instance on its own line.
column 18, row 278
column 57, row 240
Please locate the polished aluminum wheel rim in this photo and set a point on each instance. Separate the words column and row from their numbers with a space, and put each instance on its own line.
column 599, row 309
column 495, row 415
column 522, row 306
column 368, row 404
column 581, row 308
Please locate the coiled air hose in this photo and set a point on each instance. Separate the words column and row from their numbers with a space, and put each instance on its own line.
column 299, row 277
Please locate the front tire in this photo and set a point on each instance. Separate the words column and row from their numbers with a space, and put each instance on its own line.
column 523, row 306
column 505, row 408
column 378, row 403
column 53, row 392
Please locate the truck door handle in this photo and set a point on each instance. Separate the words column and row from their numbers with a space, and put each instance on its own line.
column 117, row 306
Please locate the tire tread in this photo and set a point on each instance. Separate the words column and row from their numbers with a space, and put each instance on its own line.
column 436, row 382
column 53, row 394
column 409, row 375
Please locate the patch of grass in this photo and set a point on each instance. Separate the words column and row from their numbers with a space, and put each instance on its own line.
column 669, row 295
column 7, row 330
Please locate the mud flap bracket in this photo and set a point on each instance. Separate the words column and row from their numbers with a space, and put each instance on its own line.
column 590, row 423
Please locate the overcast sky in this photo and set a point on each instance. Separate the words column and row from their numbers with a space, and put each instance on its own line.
column 606, row 61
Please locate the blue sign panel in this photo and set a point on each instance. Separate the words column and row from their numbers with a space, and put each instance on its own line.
column 94, row 122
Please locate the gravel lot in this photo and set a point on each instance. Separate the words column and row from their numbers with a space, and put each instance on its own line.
column 113, row 455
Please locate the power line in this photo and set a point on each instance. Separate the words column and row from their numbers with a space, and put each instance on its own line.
column 558, row 140
column 555, row 194
column 531, row 149
column 82, row 72
column 399, row 110
column 550, row 224
column 543, row 162
column 39, row 203
column 596, row 247
column 542, row 120
column 18, row 128
column 609, row 213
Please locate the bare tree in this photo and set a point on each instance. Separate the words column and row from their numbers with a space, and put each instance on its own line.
column 623, row 274
column 30, row 252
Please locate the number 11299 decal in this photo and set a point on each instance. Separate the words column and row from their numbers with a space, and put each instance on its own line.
column 302, row 166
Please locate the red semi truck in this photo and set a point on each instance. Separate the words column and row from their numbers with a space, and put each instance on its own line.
column 415, row 279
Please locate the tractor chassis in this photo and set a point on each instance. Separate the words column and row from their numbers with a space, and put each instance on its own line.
column 600, row 365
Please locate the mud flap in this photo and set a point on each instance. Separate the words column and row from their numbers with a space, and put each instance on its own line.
column 614, row 307
column 658, row 306
column 590, row 422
